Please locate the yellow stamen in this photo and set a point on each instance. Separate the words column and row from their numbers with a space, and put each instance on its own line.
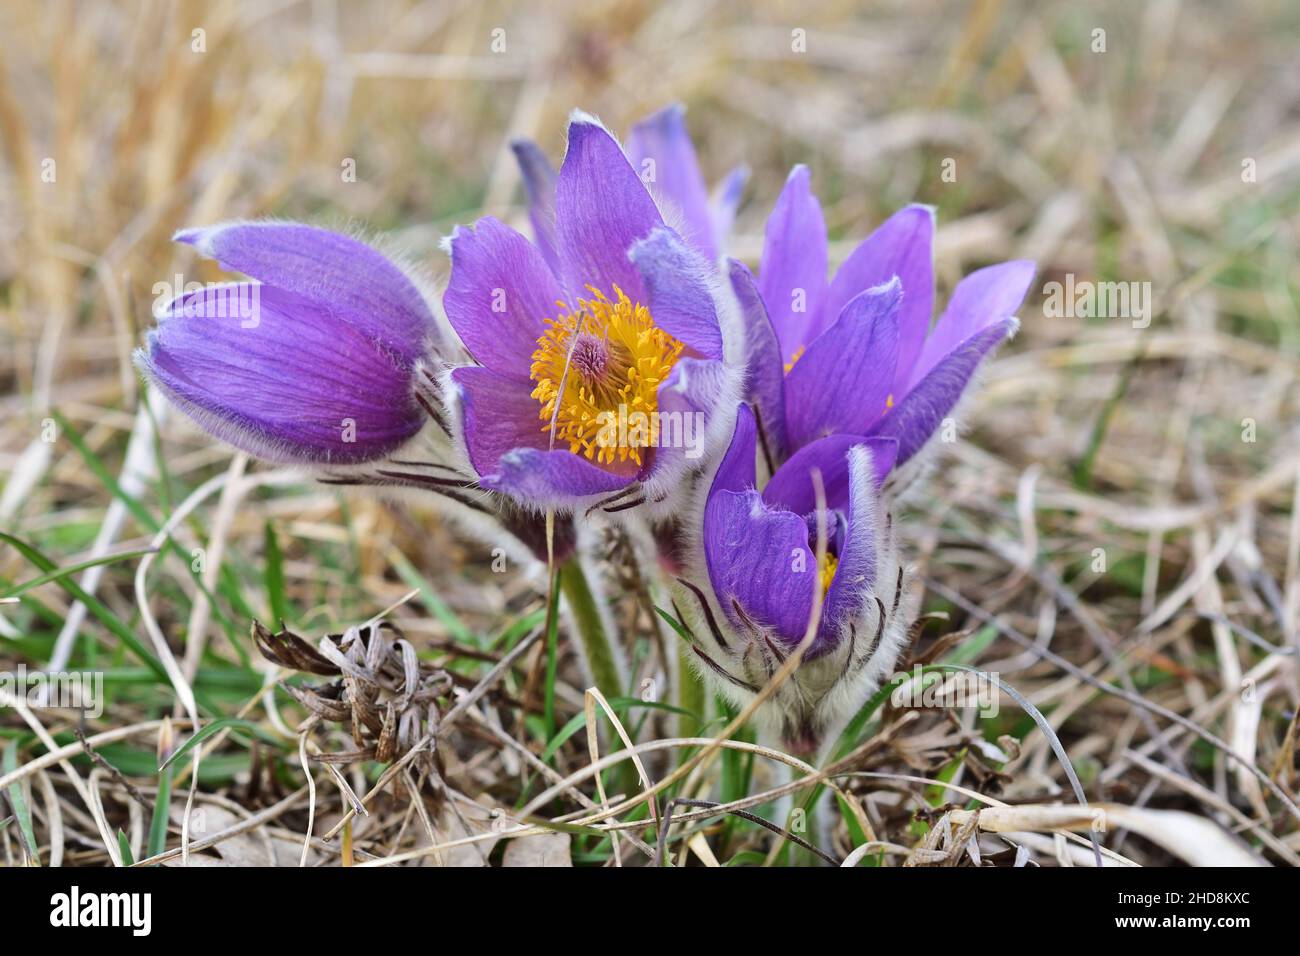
column 798, row 354
column 889, row 401
column 829, row 564
column 619, row 359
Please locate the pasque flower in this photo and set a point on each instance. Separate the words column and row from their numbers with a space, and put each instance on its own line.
column 315, row 363
column 610, row 319
column 847, row 381
column 663, row 156
column 752, row 602
column 323, row 363
column 856, row 354
column 609, row 357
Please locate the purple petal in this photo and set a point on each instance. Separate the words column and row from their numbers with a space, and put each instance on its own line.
column 843, row 382
column 602, row 208
column 687, row 399
column 792, row 273
column 724, row 202
column 902, row 246
column 765, row 383
column 661, row 152
column 694, row 384
column 914, row 420
column 752, row 552
column 750, row 549
column 736, row 470
column 679, row 293
column 329, row 268
column 792, row 485
column 499, row 294
column 498, row 414
column 280, row 376
column 539, row 183
column 508, row 444
column 983, row 298
column 557, row 478
column 856, row 572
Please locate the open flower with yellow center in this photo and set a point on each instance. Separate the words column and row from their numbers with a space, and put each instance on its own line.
column 593, row 366
column 855, row 354
column 600, row 345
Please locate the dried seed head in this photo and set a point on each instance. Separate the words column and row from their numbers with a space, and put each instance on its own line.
column 382, row 692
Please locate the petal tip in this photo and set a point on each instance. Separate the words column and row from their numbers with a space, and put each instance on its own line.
column 142, row 356
column 669, row 116
column 200, row 237
column 1028, row 266
column 890, row 293
column 585, row 131
column 924, row 214
column 894, row 284
column 582, row 119
column 658, row 240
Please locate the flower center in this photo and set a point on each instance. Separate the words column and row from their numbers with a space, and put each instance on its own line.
column 598, row 370
column 590, row 358
column 829, row 564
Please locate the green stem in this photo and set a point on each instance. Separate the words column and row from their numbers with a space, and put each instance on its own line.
column 690, row 695
column 596, row 647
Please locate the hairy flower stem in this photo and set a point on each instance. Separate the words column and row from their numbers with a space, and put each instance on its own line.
column 691, row 695
column 601, row 659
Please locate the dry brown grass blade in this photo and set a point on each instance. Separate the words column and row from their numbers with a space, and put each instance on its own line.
column 1193, row 838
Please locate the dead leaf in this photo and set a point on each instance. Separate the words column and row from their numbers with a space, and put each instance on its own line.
column 546, row 849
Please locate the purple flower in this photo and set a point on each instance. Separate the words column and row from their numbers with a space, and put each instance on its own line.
column 599, row 346
column 759, row 556
column 759, row 548
column 312, row 364
column 858, row 351
column 660, row 151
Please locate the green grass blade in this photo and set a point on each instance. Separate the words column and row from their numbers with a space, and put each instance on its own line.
column 124, row 846
column 221, row 723
column 106, row 478
column 141, row 513
column 275, row 576
column 74, row 568
column 93, row 604
column 19, row 803
column 161, row 810
column 675, row 624
column 415, row 580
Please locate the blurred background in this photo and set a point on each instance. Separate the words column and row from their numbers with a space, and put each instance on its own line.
column 1118, row 486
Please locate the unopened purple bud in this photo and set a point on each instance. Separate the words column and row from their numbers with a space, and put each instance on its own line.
column 313, row 364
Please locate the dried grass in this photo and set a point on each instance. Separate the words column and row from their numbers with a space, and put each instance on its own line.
column 1094, row 443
